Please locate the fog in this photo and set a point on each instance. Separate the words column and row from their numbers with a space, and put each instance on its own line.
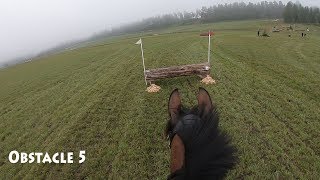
column 30, row 26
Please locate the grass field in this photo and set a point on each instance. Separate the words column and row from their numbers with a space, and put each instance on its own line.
column 94, row 99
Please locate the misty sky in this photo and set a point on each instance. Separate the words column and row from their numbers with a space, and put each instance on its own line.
column 29, row 26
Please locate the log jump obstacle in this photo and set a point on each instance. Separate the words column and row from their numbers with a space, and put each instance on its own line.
column 202, row 70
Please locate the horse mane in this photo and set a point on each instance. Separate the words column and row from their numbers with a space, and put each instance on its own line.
column 210, row 154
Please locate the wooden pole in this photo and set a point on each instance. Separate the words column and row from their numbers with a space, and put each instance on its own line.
column 201, row 70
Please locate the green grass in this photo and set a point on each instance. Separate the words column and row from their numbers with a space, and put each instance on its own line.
column 94, row 99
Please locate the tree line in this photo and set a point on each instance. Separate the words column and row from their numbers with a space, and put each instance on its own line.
column 242, row 11
column 221, row 12
column 296, row 13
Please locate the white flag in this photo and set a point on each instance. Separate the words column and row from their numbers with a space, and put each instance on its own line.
column 139, row 42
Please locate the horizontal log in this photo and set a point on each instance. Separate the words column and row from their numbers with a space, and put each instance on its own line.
column 202, row 70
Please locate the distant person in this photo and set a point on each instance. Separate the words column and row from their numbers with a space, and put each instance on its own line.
column 258, row 32
column 302, row 34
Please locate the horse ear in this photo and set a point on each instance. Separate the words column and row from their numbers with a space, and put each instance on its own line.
column 174, row 106
column 204, row 101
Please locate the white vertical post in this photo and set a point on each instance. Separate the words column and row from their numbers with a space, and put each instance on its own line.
column 144, row 68
column 209, row 47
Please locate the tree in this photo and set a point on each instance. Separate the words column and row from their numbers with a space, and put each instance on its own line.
column 296, row 13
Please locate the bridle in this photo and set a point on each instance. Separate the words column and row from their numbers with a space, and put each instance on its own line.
column 184, row 127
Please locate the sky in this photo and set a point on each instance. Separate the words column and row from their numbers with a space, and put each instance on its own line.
column 30, row 26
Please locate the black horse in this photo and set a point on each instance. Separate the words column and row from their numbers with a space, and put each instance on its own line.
column 199, row 150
